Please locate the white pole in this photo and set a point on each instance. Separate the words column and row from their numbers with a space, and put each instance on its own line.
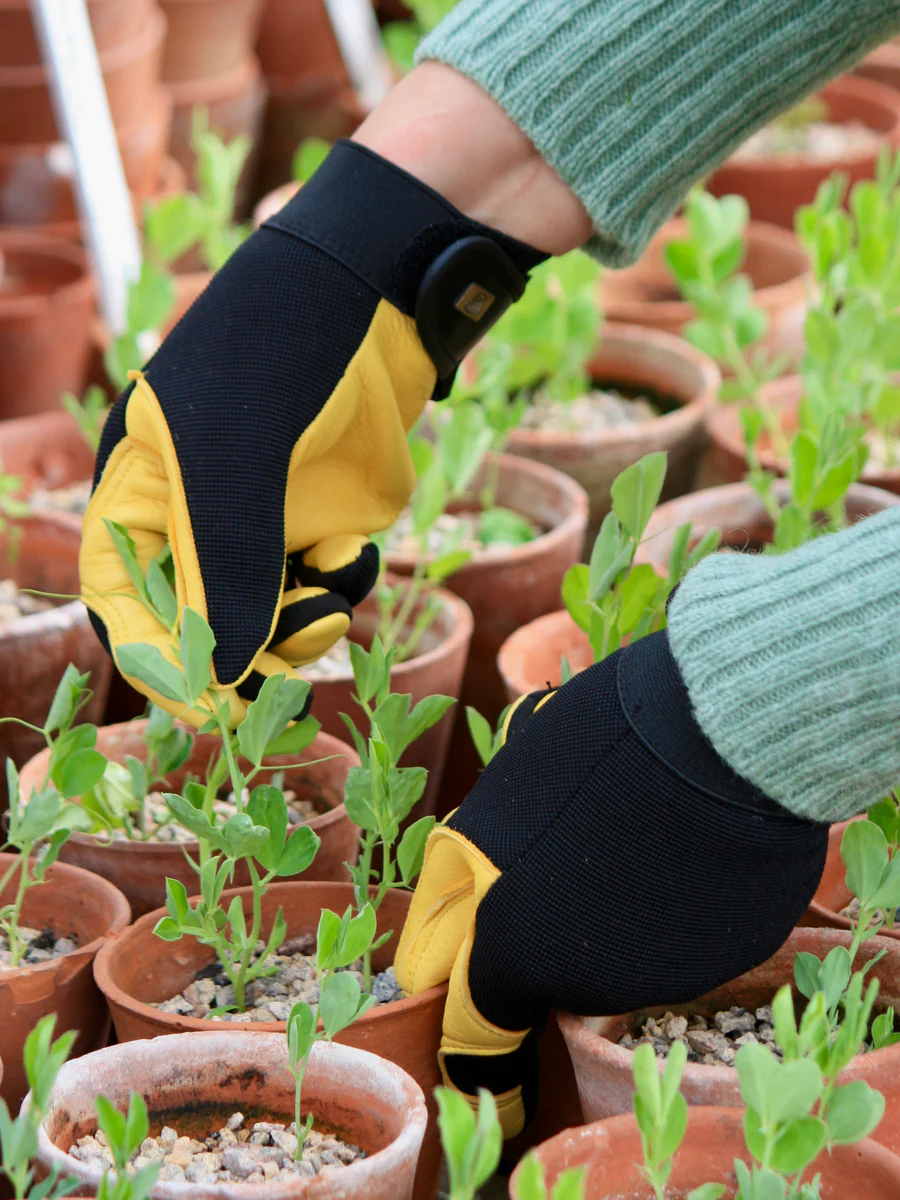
column 82, row 114
column 359, row 38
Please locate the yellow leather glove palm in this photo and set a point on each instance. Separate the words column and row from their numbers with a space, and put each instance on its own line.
column 266, row 439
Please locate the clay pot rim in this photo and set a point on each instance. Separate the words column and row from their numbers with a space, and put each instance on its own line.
column 691, row 409
column 188, row 92
column 412, row 1129
column 459, row 636
column 46, row 245
column 117, row 58
column 575, row 1030
column 544, row 543
column 784, row 393
column 159, row 107
column 116, row 995
column 682, row 311
column 527, row 633
column 73, row 610
column 153, row 849
column 75, row 878
column 878, row 96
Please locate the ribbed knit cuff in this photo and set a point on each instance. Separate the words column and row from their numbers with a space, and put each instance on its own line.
column 792, row 664
column 633, row 101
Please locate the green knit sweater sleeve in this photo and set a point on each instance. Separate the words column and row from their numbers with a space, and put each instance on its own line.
column 792, row 664
column 633, row 101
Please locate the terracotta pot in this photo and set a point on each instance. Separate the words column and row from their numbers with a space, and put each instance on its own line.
column 72, row 903
column 611, row 1151
column 323, row 106
column 112, row 22
column 236, row 103
column 140, row 869
column 776, row 187
column 273, row 202
column 296, row 40
column 729, row 447
column 603, row 1067
column 531, row 658
column 634, row 357
column 138, row 967
column 207, row 38
column 189, row 1081
column 130, row 72
column 738, row 512
column 45, row 315
column 882, row 65
column 35, row 181
column 35, row 650
column 832, row 893
column 776, row 264
column 47, row 450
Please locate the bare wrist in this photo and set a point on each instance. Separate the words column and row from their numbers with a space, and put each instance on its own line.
column 441, row 127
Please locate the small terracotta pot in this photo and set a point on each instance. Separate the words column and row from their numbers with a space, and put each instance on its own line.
column 130, row 72
column 832, row 893
column 112, row 22
column 138, row 967
column 776, row 264
column 531, row 658
column 190, row 1080
column 47, row 450
column 296, row 39
column 236, row 104
column 634, row 357
column 322, row 105
column 882, row 65
column 140, row 869
column 738, row 512
column 72, row 903
column 776, row 187
column 729, row 446
column 273, row 202
column 603, row 1067
column 207, row 38
column 35, row 650
column 436, row 670
column 45, row 316
column 36, row 181
column 611, row 1152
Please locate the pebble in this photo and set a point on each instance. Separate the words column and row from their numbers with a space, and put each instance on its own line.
column 596, row 411
column 233, row 1154
column 711, row 1041
column 271, row 997
column 41, row 946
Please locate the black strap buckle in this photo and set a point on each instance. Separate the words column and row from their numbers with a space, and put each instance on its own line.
column 465, row 291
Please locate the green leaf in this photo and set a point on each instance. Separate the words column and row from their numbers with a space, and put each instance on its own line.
column 244, row 839
column 407, row 788
column 636, row 491
column 299, row 852
column 110, row 1120
column 885, row 814
column 820, row 335
column 505, row 526
column 575, row 595
column 426, row 714
column 267, row 808
column 174, row 224
column 675, row 1127
column 301, row 1028
column 68, row 691
column 570, row 1184
column 488, row 1143
column 456, row 1123
column 804, row 460
column 309, row 156
column 339, row 1002
column 167, row 929
column 854, row 1111
column 295, row 739
column 37, row 819
column 197, row 644
column 481, row 734
column 357, row 799
column 326, row 936
column 147, row 664
column 707, row 1191
column 279, row 700
column 637, row 593
column 445, row 565
column 195, row 821
column 355, row 937
column 606, row 549
column 757, row 1069
column 411, row 851
column 645, row 1069
column 80, row 772
column 865, row 854
column 150, row 299
column 127, row 551
column 799, row 1144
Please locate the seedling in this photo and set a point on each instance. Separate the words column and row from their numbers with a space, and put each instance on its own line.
column 43, row 1058
column 380, row 794
column 124, row 1133
column 487, row 741
column 472, row 1144
column 610, row 598
column 340, row 941
column 868, row 849
column 89, row 412
column 532, row 1185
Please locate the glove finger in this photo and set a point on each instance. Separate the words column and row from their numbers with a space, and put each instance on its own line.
column 264, row 665
column 522, row 709
column 311, row 621
column 347, row 565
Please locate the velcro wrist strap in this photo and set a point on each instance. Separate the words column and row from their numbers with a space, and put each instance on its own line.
column 455, row 276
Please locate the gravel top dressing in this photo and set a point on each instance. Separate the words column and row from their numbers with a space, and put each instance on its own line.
column 819, row 141
column 271, row 997
column 713, row 1041
column 43, row 945
column 459, row 530
column 593, row 413
column 71, row 499
column 239, row 1152
column 15, row 604
column 335, row 662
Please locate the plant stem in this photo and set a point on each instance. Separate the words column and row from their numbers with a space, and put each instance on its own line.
column 298, row 1088
column 12, row 930
column 237, row 779
column 259, row 888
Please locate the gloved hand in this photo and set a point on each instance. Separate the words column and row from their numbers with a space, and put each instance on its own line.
column 266, row 439
column 607, row 860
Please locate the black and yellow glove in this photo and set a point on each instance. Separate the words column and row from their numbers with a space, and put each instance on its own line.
column 607, row 860
column 266, row 439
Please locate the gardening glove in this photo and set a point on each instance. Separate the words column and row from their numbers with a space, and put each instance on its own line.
column 266, row 439
column 607, row 859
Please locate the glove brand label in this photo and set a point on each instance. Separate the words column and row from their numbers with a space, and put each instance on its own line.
column 474, row 302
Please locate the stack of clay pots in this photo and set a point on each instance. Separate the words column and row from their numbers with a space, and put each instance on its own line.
column 209, row 63
column 309, row 89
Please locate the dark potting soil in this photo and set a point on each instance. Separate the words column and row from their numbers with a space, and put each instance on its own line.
column 43, row 945
column 241, row 1151
column 271, row 997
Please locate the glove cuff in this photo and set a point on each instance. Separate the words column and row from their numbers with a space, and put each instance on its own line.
column 399, row 236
